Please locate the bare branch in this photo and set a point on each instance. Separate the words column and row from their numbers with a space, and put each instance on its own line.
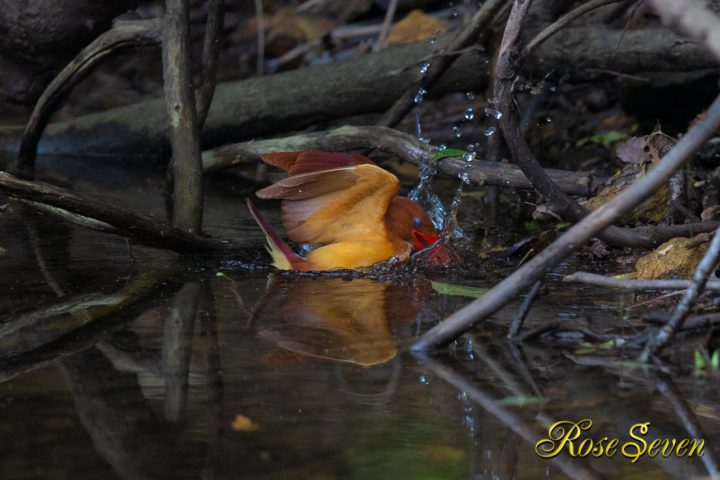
column 692, row 18
column 144, row 229
column 562, row 22
column 465, row 38
column 180, row 108
column 212, row 44
column 576, row 236
column 124, row 34
column 630, row 284
column 706, row 267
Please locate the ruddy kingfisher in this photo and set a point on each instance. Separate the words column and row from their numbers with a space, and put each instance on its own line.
column 348, row 209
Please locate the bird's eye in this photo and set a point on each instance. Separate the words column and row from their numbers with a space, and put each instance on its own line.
column 417, row 222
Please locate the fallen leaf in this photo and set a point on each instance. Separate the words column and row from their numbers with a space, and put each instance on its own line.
column 458, row 290
column 241, row 423
column 416, row 26
column 444, row 453
column 710, row 213
column 672, row 259
column 633, row 151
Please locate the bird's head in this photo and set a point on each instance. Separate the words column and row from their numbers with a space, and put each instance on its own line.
column 407, row 221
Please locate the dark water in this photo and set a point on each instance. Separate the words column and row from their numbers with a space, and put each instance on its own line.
column 118, row 361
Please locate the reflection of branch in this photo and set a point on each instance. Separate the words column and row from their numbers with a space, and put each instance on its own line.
column 177, row 349
column 666, row 386
column 143, row 229
column 576, row 236
column 100, row 321
column 123, row 34
column 569, row 466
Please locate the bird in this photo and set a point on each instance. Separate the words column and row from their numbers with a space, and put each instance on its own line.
column 348, row 210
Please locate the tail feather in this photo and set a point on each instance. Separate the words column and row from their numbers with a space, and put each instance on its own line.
column 283, row 256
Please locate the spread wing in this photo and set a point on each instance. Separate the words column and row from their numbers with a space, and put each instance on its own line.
column 296, row 163
column 335, row 205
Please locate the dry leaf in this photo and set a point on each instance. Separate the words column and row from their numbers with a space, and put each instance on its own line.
column 632, row 151
column 672, row 259
column 241, row 423
column 444, row 453
column 416, row 26
column 710, row 213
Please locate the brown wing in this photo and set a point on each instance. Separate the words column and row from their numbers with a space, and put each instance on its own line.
column 335, row 205
column 296, row 163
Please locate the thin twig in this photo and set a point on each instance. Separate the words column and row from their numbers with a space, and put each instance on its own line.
column 522, row 312
column 562, row 22
column 576, row 236
column 465, row 38
column 570, row 466
column 180, row 108
column 212, row 45
column 260, row 16
column 387, row 22
column 397, row 143
column 629, row 284
column 122, row 35
column 706, row 267
column 506, row 71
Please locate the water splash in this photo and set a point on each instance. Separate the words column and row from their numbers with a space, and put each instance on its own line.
column 420, row 95
column 489, row 132
column 456, row 131
column 469, row 114
column 493, row 113
column 424, row 67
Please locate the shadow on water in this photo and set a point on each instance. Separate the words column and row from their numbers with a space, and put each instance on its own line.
column 125, row 362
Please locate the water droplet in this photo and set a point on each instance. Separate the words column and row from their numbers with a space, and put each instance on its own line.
column 453, row 13
column 469, row 114
column 442, row 146
column 465, row 177
column 469, row 156
column 424, row 67
column 423, row 380
column 457, row 133
column 433, row 39
column 553, row 88
column 420, row 94
column 544, row 120
column 470, row 95
column 493, row 113
column 470, row 148
column 488, row 132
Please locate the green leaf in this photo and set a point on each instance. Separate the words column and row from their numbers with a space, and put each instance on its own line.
column 608, row 138
column 520, row 401
column 715, row 360
column 531, row 226
column 458, row 290
column 699, row 360
column 448, row 152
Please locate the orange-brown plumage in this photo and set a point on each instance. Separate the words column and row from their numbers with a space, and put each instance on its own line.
column 347, row 207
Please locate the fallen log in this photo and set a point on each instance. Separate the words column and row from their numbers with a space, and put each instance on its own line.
column 255, row 107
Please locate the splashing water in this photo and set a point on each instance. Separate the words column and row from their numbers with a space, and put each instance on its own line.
column 457, row 132
column 489, row 132
column 424, row 67
column 420, row 95
column 493, row 113
column 469, row 114
column 450, row 227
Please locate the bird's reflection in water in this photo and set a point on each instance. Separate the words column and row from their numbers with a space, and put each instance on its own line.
column 340, row 320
